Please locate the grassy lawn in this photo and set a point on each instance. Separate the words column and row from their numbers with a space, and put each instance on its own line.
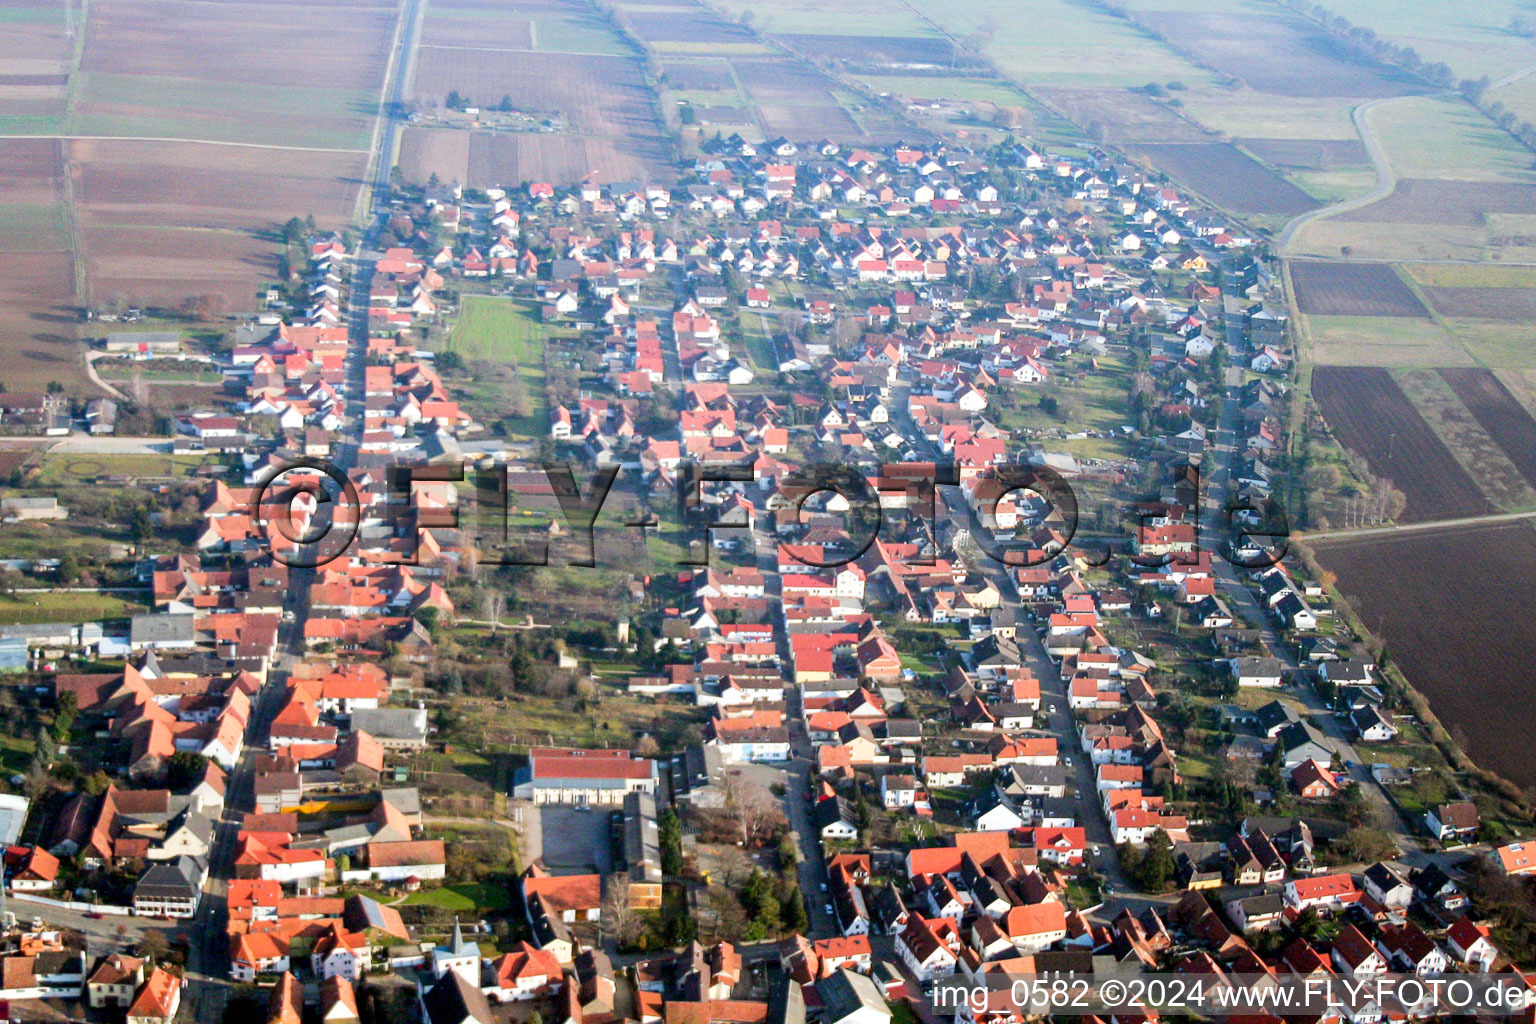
column 759, row 344
column 504, row 331
column 16, row 753
column 477, row 897
column 63, row 470
column 500, row 330
column 67, row 607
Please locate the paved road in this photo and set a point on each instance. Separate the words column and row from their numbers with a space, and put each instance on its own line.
column 207, row 975
column 90, row 371
column 1240, row 598
column 1053, row 688
column 800, row 774
column 1386, row 179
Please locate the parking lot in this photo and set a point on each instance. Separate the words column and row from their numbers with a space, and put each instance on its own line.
column 569, row 839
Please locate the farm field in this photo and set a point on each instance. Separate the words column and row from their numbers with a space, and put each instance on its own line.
column 1468, row 432
column 1247, row 114
column 38, row 320
column 178, row 70
column 27, row 227
column 1417, row 201
column 1381, row 341
column 605, row 100
column 1516, row 304
column 1309, row 154
column 1407, row 588
column 1432, row 137
column 795, row 99
column 193, row 70
column 1505, row 420
column 1276, row 53
column 1335, row 185
column 484, row 160
column 1328, row 236
column 1353, row 289
column 162, row 223
column 1369, row 414
column 37, row 292
column 1466, row 190
column 31, row 171
column 878, row 50
column 122, row 182
column 1463, row 275
column 1229, row 178
column 553, row 26
column 35, row 51
column 685, row 23
column 1496, row 344
column 1040, row 42
column 1471, row 38
column 231, row 41
column 812, row 17
column 217, row 271
column 1125, row 115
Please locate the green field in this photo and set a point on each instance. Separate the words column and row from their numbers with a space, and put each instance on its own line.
column 505, row 332
column 1428, row 137
column 1056, row 42
column 759, row 344
column 36, row 15
column 1463, row 275
column 812, row 17
column 65, row 469
column 500, row 330
column 1380, row 341
column 297, row 115
column 1248, row 114
column 1472, row 38
column 478, row 897
column 28, row 227
column 66, row 607
column 1335, row 185
column 1497, row 344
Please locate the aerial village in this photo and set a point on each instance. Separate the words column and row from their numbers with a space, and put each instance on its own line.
column 991, row 735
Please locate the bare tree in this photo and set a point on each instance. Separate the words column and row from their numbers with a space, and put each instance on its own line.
column 619, row 913
column 492, row 605
column 752, row 810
